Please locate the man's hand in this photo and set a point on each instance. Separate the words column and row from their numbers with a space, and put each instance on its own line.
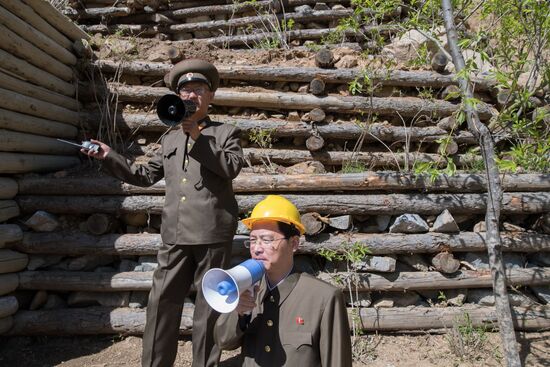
column 247, row 302
column 104, row 149
column 191, row 128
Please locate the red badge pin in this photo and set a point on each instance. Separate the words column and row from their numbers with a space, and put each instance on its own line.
column 299, row 320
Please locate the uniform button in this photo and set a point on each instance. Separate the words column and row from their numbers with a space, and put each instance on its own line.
column 182, row 199
column 183, row 180
column 186, row 162
column 267, row 348
column 271, row 299
column 269, row 323
column 189, row 145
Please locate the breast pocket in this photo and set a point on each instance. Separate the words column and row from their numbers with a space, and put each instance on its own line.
column 296, row 339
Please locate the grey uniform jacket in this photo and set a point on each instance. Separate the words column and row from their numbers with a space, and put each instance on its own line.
column 200, row 206
column 301, row 323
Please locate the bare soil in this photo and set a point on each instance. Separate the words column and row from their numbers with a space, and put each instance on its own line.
column 426, row 350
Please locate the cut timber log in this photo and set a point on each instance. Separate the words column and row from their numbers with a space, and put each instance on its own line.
column 78, row 243
column 217, row 10
column 317, row 87
column 108, row 12
column 520, row 202
column 88, row 321
column 365, row 282
column 25, row 50
column 8, row 306
column 315, row 143
column 405, row 106
column 8, row 186
column 11, row 141
column 279, row 127
column 312, row 223
column 49, row 13
column 31, row 90
column 35, row 75
column 8, row 283
column 20, row 103
column 37, row 21
column 12, row 261
column 131, row 321
column 6, row 324
column 394, row 78
column 8, row 209
column 29, row 124
column 100, row 223
column 22, row 162
column 424, row 318
column 445, row 262
column 367, row 181
column 10, row 233
column 35, row 37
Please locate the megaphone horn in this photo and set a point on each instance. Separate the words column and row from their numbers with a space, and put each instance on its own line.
column 171, row 109
column 222, row 288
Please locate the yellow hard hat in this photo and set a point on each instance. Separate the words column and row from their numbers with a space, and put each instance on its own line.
column 278, row 208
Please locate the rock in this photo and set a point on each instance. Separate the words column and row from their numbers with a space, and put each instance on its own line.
column 398, row 300
column 542, row 292
column 39, row 300
column 298, row 141
column 481, row 260
column 242, row 229
column 54, row 302
column 480, row 227
column 362, row 299
column 374, row 224
column 445, row 262
column 42, row 261
column 107, row 299
column 405, row 48
column 439, row 62
column 127, row 265
column 309, row 167
column 346, row 62
column 42, row 221
column 293, row 116
column 509, row 227
column 320, row 6
column 445, row 223
column 447, row 123
column 342, row 222
column 409, row 223
column 385, row 264
column 303, row 89
column 304, row 9
column 485, row 297
column 384, row 303
column 138, row 299
column 455, row 297
column 138, row 219
column 148, row 263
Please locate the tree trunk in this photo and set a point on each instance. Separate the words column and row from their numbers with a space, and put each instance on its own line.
column 35, row 75
column 317, row 87
column 315, row 143
column 31, row 90
column 8, row 187
column 217, row 10
column 22, row 163
column 394, row 78
column 29, row 124
column 75, row 243
column 37, row 38
column 495, row 197
column 406, row 106
column 366, row 181
column 364, row 282
column 525, row 203
column 49, row 13
column 32, row 106
column 324, row 59
column 10, row 233
column 8, row 209
column 37, row 21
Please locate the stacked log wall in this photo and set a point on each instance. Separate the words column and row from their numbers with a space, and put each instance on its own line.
column 95, row 268
column 38, row 103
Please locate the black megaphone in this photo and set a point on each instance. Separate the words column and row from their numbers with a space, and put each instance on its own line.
column 171, row 109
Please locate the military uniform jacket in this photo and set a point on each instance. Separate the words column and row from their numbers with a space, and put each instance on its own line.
column 301, row 323
column 200, row 206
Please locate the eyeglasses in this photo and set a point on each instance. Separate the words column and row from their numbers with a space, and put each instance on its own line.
column 267, row 242
column 199, row 91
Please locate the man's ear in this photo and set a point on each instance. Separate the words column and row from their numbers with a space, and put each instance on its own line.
column 295, row 241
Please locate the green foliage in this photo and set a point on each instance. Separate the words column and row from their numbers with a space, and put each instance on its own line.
column 422, row 58
column 465, row 339
column 353, row 167
column 262, row 137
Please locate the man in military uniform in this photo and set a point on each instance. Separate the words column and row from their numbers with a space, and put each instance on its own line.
column 295, row 319
column 199, row 217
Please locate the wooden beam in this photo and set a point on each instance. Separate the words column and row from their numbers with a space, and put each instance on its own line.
column 25, row 12
column 11, row 141
column 32, row 106
column 365, row 282
column 520, row 202
column 24, row 123
column 22, row 163
column 8, row 187
column 366, row 181
column 35, row 37
column 8, row 306
column 35, row 75
column 75, row 243
column 405, row 106
column 25, row 50
column 131, row 321
column 62, row 23
column 28, row 89
column 8, row 209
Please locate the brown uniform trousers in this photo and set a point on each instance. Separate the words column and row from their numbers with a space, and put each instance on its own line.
column 302, row 322
column 199, row 219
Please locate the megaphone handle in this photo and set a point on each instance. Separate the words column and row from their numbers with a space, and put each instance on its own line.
column 253, row 293
column 185, row 152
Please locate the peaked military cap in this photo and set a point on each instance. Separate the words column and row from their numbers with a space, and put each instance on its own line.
column 193, row 70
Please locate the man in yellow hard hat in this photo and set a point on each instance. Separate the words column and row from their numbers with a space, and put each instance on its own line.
column 294, row 319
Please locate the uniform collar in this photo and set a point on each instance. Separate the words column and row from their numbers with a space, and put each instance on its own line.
column 281, row 291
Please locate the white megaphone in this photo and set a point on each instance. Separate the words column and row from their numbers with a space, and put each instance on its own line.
column 222, row 288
